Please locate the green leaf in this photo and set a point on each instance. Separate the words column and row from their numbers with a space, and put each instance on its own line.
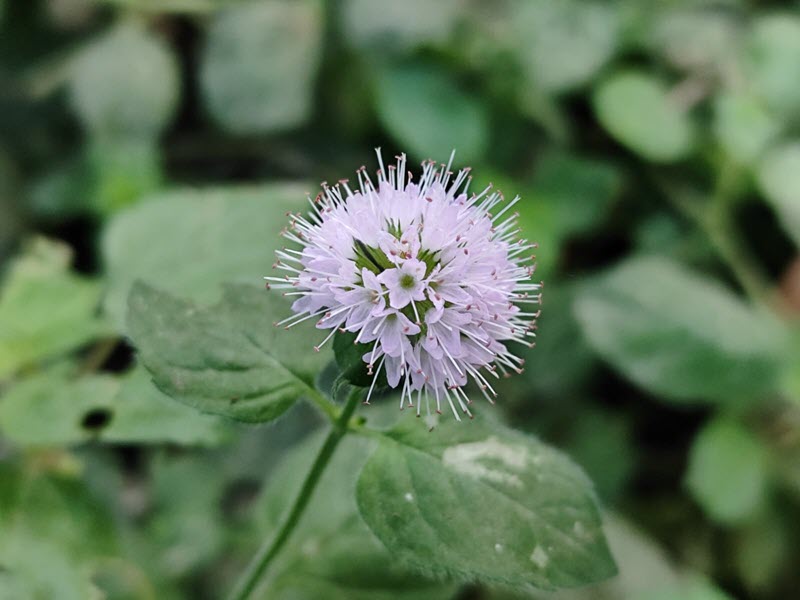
column 126, row 83
column 678, row 334
column 186, row 529
column 562, row 45
column 560, row 364
column 332, row 554
column 53, row 532
column 636, row 110
column 728, row 471
column 189, row 242
column 122, row 172
column 228, row 359
column 144, row 414
column 580, row 189
column 478, row 501
column 175, row 6
column 743, row 126
column 694, row 38
column 55, row 408
column 378, row 25
column 259, row 65
column 45, row 310
column 692, row 588
column 429, row 115
column 761, row 550
column 349, row 359
column 772, row 62
column 779, row 180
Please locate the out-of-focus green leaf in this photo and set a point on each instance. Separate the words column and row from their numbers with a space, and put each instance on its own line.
column 56, row 408
column 772, row 61
column 678, row 334
column 761, row 550
column 378, row 25
column 53, row 533
column 429, row 115
column 743, row 126
column 562, row 45
column 728, row 471
column 692, row 588
column 189, row 242
column 228, row 359
column 45, row 310
column 125, row 84
column 562, row 360
column 538, row 524
column 580, row 189
column 695, row 38
column 122, row 172
column 259, row 65
column 635, row 109
column 62, row 192
column 332, row 554
column 187, row 525
column 779, row 180
column 602, row 444
column 175, row 6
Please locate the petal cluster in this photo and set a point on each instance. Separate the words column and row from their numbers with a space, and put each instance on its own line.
column 430, row 278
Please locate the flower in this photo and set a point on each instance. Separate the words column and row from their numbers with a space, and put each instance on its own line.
column 432, row 279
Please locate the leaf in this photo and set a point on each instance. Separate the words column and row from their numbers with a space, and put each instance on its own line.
column 378, row 25
column 644, row 566
column 728, row 471
column 186, row 528
column 635, row 109
column 122, row 172
column 560, row 364
column 743, row 126
column 55, row 408
column 189, row 242
column 562, row 45
column 580, row 189
column 429, row 115
column 481, row 502
column 53, row 531
column 125, row 84
column 45, row 310
column 259, row 65
column 175, row 6
column 349, row 359
column 332, row 554
column 772, row 62
column 779, row 180
column 146, row 415
column 695, row 38
column 228, row 359
column 692, row 588
column 679, row 335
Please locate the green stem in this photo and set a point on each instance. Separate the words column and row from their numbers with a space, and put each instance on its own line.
column 323, row 403
column 716, row 221
column 272, row 546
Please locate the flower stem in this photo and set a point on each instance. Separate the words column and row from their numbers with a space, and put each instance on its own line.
column 272, row 546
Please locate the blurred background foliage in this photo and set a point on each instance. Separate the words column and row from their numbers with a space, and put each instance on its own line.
column 656, row 146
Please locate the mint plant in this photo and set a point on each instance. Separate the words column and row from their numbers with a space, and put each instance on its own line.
column 423, row 286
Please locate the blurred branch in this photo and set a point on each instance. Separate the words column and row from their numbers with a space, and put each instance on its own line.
column 98, row 355
column 715, row 219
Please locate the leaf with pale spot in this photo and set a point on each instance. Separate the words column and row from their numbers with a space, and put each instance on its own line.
column 477, row 501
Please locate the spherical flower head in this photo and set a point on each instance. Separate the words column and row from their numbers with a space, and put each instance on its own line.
column 429, row 277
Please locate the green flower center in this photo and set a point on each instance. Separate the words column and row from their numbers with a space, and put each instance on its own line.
column 407, row 282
